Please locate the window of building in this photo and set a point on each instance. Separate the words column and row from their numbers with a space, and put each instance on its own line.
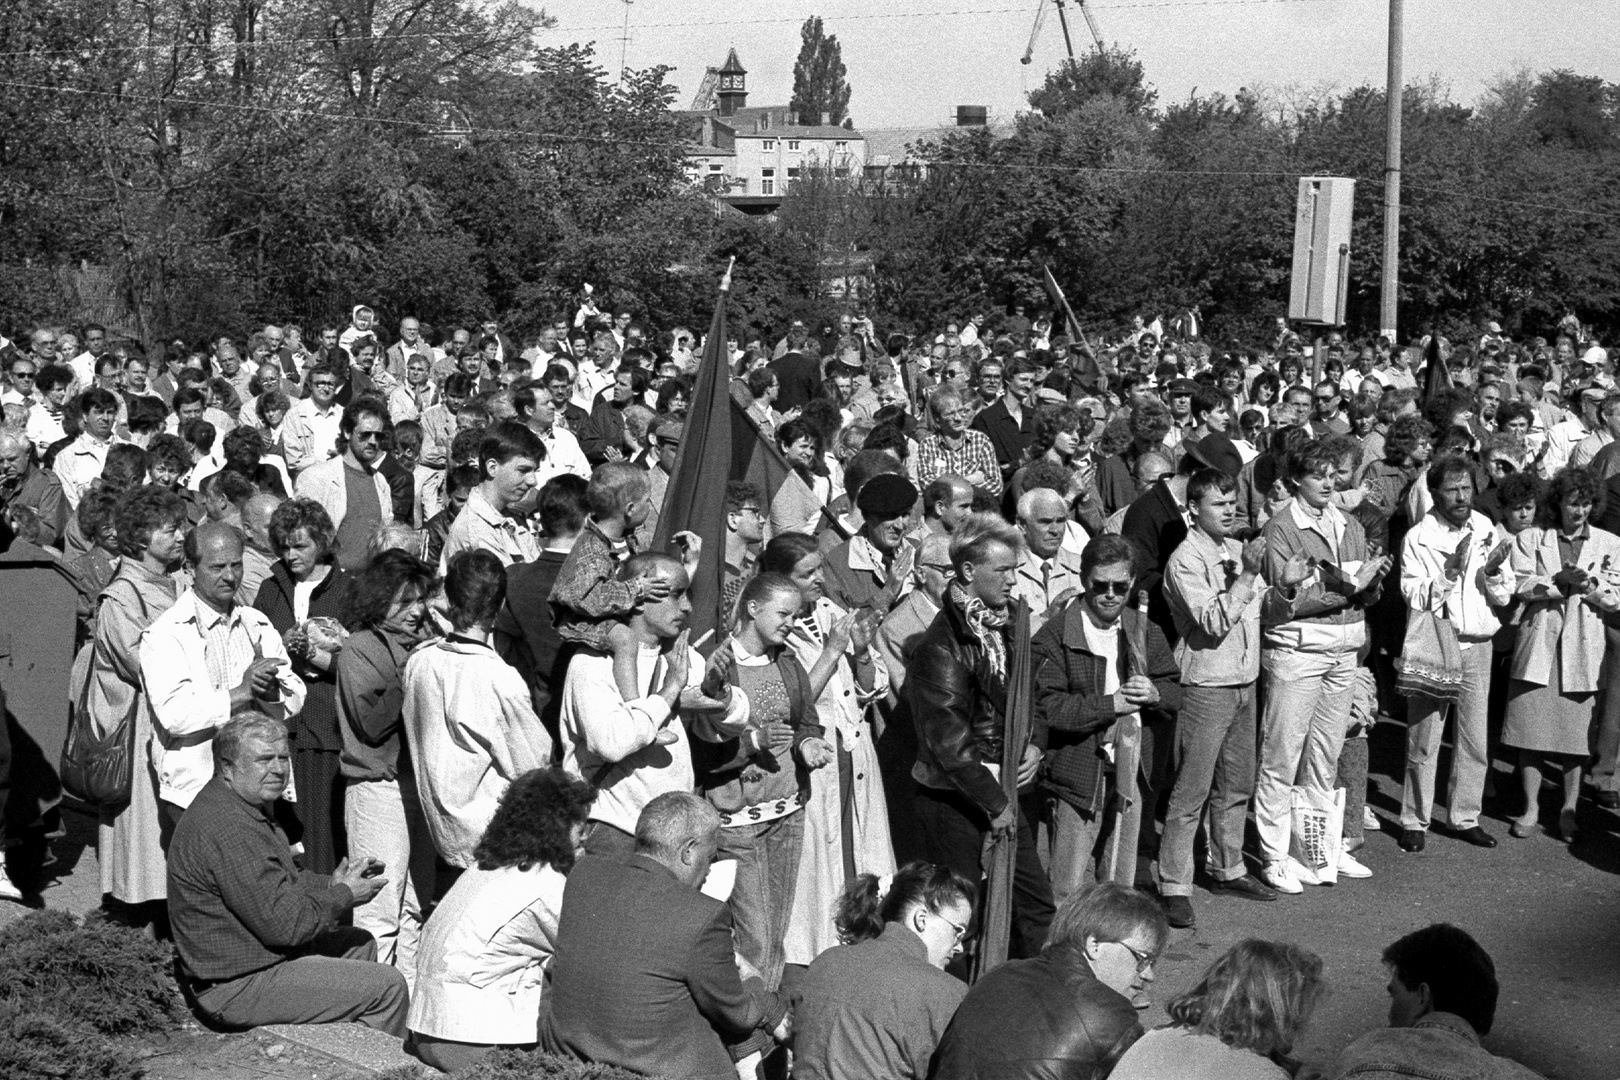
column 841, row 147
column 769, row 146
column 767, row 181
column 793, row 173
column 793, row 144
column 717, row 168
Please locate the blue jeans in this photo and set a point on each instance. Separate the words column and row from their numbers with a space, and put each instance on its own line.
column 1215, row 748
column 767, row 857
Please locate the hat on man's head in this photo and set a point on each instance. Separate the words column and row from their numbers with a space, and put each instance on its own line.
column 1493, row 327
column 886, row 495
column 1182, row 386
column 1216, row 451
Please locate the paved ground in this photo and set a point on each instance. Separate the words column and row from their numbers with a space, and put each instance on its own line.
column 1546, row 912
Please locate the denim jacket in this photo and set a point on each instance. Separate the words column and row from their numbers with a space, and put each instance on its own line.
column 1440, row 1046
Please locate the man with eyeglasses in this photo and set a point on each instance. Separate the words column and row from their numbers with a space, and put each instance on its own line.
column 1071, row 1012
column 19, row 388
column 351, row 487
column 745, row 532
column 1097, row 661
column 310, row 430
column 1328, row 418
column 955, row 449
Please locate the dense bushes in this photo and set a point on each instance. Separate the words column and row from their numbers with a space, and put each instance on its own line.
column 67, row 989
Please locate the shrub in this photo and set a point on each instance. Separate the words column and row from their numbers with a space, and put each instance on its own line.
column 99, row 976
column 40, row 1046
column 521, row 1065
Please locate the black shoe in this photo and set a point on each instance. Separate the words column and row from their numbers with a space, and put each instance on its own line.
column 1178, row 912
column 1477, row 836
column 1413, row 839
column 1248, row 887
column 1609, row 800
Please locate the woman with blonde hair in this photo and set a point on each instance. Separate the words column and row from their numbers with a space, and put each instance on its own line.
column 1240, row 1022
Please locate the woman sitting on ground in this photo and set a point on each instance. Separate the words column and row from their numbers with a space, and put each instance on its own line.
column 1239, row 1023
column 486, row 946
column 878, row 1004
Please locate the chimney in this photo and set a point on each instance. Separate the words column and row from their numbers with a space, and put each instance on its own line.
column 972, row 115
column 826, row 119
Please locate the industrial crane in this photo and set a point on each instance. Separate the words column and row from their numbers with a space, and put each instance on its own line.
column 1063, row 20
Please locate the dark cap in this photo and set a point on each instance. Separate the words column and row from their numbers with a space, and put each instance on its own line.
column 887, row 495
column 1182, row 386
column 1216, row 451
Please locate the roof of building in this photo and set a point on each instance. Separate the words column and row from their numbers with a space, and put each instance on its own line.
column 776, row 125
column 733, row 66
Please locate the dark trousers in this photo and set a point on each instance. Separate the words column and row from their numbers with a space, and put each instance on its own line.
column 336, row 977
column 953, row 831
column 320, row 790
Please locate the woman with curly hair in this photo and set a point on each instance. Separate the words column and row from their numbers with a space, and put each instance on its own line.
column 1239, row 1023
column 486, row 946
column 1568, row 571
column 1059, row 437
column 306, row 583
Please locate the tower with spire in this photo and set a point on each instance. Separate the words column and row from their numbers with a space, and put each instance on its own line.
column 732, row 91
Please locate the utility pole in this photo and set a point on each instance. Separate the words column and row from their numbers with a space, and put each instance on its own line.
column 624, row 41
column 1392, row 177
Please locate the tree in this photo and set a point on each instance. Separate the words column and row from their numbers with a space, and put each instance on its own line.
column 819, row 86
column 1115, row 73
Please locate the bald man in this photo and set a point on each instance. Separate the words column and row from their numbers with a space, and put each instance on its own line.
column 257, row 558
column 205, row 659
column 25, row 484
column 1049, row 573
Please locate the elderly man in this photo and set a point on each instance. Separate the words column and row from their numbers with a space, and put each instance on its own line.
column 947, row 500
column 22, row 483
column 257, row 556
column 643, row 974
column 1049, row 573
column 351, row 487
column 310, row 430
column 509, row 458
column 634, row 751
column 1452, row 566
column 410, row 344
column 1442, row 1000
column 1068, row 1012
column 955, row 450
column 872, row 569
column 260, row 941
column 205, row 659
column 1100, row 660
column 537, row 409
column 956, row 686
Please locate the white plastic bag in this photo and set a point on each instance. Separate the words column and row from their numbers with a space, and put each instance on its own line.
column 1317, row 835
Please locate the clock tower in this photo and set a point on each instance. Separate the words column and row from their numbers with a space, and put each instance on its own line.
column 732, row 91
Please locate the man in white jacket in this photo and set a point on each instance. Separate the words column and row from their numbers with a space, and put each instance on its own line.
column 204, row 660
column 634, row 751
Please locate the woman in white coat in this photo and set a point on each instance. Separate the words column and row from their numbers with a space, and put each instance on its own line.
column 846, row 825
column 485, row 949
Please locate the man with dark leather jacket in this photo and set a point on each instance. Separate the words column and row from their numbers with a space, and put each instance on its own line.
column 957, row 688
column 1067, row 1014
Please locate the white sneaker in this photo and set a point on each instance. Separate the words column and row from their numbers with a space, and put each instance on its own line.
column 8, row 891
column 1369, row 820
column 1351, row 867
column 1280, row 877
column 1302, row 873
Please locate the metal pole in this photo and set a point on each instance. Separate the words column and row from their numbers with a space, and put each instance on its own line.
column 1063, row 21
column 1392, row 177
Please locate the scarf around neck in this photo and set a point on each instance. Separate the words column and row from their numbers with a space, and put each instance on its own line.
column 987, row 626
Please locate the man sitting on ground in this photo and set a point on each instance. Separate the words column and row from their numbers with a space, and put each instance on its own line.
column 259, row 939
column 1442, row 1000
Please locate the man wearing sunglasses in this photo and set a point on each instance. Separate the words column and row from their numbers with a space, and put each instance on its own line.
column 1096, row 661
column 354, row 492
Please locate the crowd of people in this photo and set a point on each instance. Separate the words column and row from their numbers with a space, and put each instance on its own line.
column 416, row 733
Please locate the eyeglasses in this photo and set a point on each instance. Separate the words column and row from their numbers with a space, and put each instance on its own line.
column 22, row 376
column 366, row 436
column 961, row 931
column 1110, row 588
column 1143, row 960
column 320, row 384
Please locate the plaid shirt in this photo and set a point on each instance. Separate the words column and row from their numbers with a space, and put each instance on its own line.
column 975, row 454
column 588, row 597
column 236, row 901
column 1072, row 714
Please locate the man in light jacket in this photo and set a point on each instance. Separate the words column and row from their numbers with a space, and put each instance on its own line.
column 1452, row 565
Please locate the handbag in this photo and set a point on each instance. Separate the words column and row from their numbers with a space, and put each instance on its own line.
column 97, row 768
column 1430, row 663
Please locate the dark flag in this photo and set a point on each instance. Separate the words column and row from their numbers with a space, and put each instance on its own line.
column 720, row 442
column 1436, row 377
column 1089, row 369
column 1002, row 855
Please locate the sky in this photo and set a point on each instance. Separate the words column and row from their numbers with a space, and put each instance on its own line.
column 911, row 62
